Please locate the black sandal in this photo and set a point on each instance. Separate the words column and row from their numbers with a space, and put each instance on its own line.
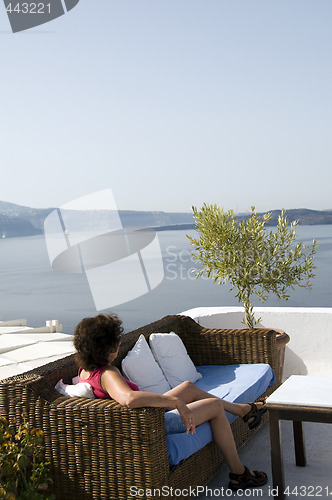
column 256, row 413
column 247, row 480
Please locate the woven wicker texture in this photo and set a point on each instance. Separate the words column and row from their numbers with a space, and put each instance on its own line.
column 97, row 448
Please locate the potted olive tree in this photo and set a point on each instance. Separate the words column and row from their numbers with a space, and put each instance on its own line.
column 253, row 259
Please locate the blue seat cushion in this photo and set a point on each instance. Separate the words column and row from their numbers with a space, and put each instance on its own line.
column 234, row 383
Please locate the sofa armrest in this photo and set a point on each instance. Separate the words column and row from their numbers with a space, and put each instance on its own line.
column 232, row 347
column 226, row 347
column 91, row 438
column 95, row 428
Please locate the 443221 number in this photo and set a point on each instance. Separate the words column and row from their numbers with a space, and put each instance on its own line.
column 29, row 8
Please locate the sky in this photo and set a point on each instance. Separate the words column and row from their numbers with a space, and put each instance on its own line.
column 170, row 103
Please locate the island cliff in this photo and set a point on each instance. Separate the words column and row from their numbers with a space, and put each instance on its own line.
column 17, row 220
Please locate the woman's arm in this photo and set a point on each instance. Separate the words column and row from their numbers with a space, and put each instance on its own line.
column 112, row 382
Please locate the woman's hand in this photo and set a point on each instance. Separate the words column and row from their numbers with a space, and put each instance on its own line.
column 186, row 415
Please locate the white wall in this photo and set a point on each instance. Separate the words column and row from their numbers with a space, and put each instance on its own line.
column 309, row 351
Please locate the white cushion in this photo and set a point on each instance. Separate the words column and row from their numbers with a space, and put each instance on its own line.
column 81, row 389
column 173, row 359
column 140, row 367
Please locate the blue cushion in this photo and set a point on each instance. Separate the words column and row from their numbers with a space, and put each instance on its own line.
column 235, row 383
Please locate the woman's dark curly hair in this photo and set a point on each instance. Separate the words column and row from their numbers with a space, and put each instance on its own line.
column 95, row 338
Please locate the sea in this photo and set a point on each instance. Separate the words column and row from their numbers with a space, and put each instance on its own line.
column 30, row 288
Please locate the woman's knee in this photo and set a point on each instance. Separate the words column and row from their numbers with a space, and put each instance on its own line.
column 190, row 384
column 189, row 390
column 187, row 385
column 218, row 406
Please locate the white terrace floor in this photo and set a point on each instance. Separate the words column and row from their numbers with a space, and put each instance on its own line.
column 312, row 481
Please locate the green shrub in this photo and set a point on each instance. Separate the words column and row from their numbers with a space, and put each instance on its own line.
column 23, row 472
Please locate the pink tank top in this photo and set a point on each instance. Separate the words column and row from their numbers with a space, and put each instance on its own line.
column 94, row 381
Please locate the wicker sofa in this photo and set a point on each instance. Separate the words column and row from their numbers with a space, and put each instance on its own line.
column 98, row 449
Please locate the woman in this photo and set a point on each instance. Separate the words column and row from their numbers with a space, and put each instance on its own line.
column 97, row 342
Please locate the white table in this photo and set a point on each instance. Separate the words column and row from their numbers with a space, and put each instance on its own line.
column 300, row 398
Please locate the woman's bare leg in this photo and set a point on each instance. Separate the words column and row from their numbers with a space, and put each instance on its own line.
column 212, row 410
column 189, row 393
column 209, row 408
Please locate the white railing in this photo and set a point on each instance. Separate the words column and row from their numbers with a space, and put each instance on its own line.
column 309, row 351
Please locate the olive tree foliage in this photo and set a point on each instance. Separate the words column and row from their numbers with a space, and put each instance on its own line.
column 253, row 259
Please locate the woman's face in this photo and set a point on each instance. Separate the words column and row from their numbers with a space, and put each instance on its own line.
column 112, row 355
